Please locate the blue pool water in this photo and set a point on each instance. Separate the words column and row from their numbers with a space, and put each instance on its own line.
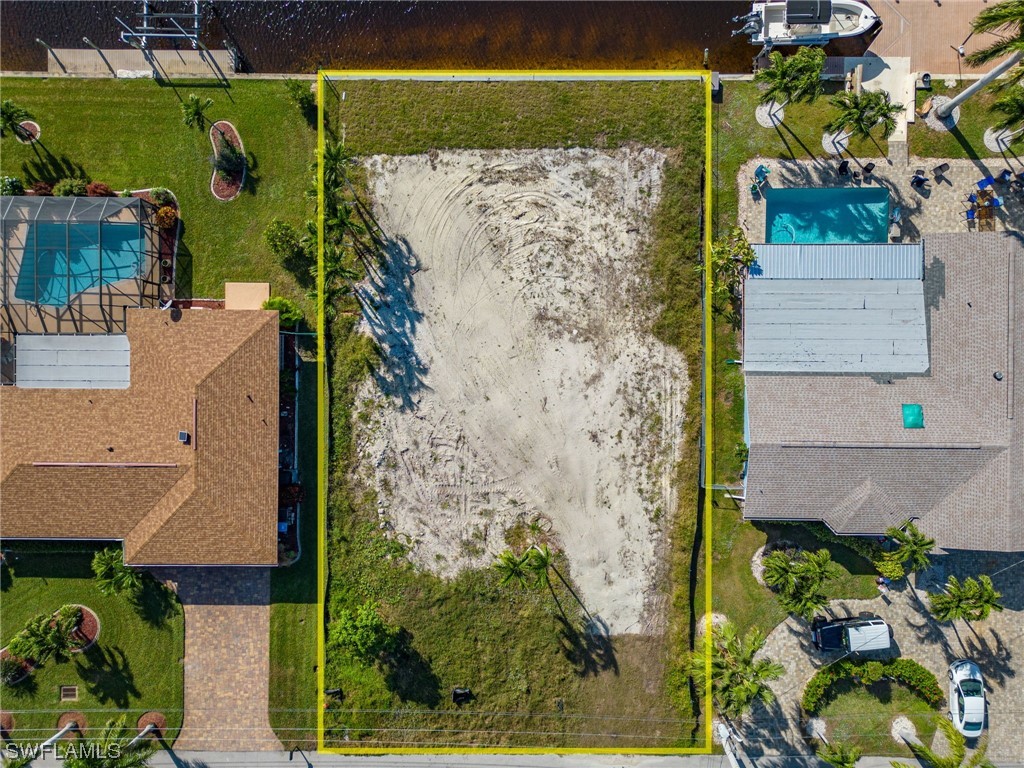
column 62, row 261
column 835, row 215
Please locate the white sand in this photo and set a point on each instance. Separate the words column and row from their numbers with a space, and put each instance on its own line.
column 520, row 377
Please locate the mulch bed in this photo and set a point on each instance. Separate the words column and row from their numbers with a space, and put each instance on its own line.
column 153, row 718
column 229, row 188
column 6, row 723
column 31, row 129
column 26, row 665
column 88, row 630
column 72, row 717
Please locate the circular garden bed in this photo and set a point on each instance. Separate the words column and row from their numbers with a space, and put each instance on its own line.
column 859, row 701
column 30, row 131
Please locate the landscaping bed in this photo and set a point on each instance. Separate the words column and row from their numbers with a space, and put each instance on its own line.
column 134, row 665
column 227, row 181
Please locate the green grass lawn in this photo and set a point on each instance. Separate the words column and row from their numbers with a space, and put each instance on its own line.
column 738, row 595
column 129, row 134
column 522, row 653
column 966, row 140
column 135, row 665
column 862, row 716
column 739, row 138
column 293, row 614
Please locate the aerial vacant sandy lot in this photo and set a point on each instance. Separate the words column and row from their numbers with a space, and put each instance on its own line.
column 520, row 379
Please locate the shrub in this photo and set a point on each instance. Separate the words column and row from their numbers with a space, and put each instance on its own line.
column 125, row 193
column 364, row 633
column 283, row 240
column 289, row 313
column 161, row 196
column 10, row 670
column 42, row 188
column 11, row 185
column 166, row 217
column 229, row 159
column 818, row 691
column 113, row 577
column 75, row 187
column 301, row 93
column 98, row 189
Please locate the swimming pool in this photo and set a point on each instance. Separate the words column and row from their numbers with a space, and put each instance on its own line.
column 61, row 261
column 831, row 215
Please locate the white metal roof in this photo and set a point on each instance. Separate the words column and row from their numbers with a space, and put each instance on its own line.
column 72, row 362
column 850, row 261
column 835, row 326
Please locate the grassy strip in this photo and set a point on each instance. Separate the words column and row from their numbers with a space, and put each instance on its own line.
column 519, row 651
column 129, row 134
column 135, row 665
column 293, row 613
column 862, row 716
column 966, row 140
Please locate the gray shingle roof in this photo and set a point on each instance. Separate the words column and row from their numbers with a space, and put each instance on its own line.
column 833, row 447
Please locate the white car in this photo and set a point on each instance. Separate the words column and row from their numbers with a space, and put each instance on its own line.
column 966, row 698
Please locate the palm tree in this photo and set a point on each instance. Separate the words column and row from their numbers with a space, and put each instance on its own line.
column 971, row 601
column 11, row 117
column 113, row 749
column 514, row 569
column 957, row 750
column 113, row 577
column 791, row 78
column 1011, row 104
column 912, row 548
column 541, row 562
column 800, row 579
column 817, row 567
column 738, row 679
column 859, row 113
column 1006, row 18
column 779, row 570
column 193, row 111
column 839, row 755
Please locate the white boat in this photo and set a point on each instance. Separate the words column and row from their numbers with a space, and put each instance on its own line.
column 805, row 22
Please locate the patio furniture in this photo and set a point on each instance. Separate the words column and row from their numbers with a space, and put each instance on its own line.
column 1005, row 176
column 971, row 198
column 844, row 168
column 868, row 169
column 918, row 179
column 988, row 181
column 995, row 202
column 940, row 170
column 970, row 216
column 985, row 212
column 761, row 174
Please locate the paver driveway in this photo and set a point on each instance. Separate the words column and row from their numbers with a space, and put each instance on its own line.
column 227, row 658
column 996, row 644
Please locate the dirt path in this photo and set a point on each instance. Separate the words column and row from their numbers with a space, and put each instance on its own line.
column 520, row 379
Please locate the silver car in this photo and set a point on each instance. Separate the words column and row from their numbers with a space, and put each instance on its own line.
column 966, row 698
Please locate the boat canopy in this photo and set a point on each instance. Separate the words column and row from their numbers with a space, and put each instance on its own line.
column 808, row 11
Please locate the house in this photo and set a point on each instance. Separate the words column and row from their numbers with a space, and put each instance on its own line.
column 137, row 422
column 880, row 388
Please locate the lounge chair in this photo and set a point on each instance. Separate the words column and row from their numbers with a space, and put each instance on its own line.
column 997, row 202
column 971, row 199
column 918, row 179
column 868, row 169
column 988, row 181
column 844, row 168
column 940, row 170
column 761, row 174
column 970, row 215
column 1005, row 176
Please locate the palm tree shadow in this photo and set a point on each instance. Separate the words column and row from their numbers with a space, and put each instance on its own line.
column 51, row 169
column 252, row 176
column 107, row 675
column 994, row 659
column 796, row 138
column 156, row 604
column 590, row 651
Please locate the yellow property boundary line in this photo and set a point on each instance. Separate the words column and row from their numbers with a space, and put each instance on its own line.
column 322, row 400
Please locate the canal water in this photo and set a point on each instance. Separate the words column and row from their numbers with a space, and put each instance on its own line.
column 300, row 35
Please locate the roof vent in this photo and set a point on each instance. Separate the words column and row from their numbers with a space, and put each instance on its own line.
column 184, row 437
column 998, row 375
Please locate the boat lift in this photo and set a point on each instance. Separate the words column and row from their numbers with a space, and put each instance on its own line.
column 181, row 26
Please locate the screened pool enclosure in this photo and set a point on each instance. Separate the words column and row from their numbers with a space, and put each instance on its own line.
column 75, row 264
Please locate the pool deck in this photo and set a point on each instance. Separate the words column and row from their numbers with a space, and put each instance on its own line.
column 936, row 208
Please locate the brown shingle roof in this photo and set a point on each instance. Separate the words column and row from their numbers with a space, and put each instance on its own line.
column 213, row 502
column 833, row 448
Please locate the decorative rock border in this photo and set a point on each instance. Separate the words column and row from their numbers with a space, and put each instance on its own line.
column 770, row 115
column 835, row 143
column 936, row 123
column 998, row 141
column 32, row 128
column 26, row 666
column 717, row 620
column 224, row 125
